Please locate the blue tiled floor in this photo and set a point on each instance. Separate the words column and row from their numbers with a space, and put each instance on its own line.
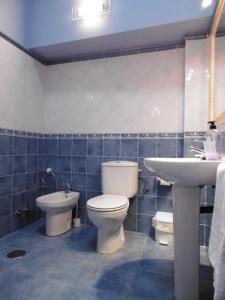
column 68, row 267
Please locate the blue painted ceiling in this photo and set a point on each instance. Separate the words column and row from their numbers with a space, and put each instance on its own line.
column 47, row 29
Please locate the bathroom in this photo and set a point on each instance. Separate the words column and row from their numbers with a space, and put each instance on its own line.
column 91, row 88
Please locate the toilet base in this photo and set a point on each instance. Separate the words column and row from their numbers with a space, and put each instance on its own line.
column 58, row 223
column 109, row 241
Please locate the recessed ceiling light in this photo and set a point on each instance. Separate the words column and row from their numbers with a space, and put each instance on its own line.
column 91, row 10
column 206, row 3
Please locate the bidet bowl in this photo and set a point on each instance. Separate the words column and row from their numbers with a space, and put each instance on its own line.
column 58, row 202
column 58, row 207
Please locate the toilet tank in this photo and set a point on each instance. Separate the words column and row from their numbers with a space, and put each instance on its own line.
column 120, row 178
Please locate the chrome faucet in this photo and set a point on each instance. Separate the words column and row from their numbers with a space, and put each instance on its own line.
column 67, row 188
column 199, row 153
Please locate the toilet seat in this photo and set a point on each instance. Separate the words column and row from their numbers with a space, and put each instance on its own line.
column 108, row 203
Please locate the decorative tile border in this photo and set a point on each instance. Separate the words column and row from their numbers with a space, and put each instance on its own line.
column 6, row 131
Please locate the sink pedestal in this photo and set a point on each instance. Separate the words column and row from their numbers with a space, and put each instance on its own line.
column 186, row 246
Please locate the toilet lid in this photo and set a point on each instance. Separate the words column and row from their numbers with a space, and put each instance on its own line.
column 108, row 202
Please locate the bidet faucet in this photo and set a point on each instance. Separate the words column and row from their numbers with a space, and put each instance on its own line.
column 67, row 188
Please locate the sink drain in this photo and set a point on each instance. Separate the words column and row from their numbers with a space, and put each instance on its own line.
column 16, row 254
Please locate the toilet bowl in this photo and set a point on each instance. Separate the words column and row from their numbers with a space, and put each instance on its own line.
column 58, row 207
column 107, row 213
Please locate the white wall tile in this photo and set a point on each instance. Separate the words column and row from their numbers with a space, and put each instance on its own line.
column 21, row 91
column 220, row 75
column 196, row 85
column 197, row 82
column 136, row 93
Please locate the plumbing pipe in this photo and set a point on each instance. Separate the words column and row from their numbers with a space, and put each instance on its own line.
column 212, row 47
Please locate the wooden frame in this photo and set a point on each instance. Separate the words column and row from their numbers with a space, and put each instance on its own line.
column 212, row 61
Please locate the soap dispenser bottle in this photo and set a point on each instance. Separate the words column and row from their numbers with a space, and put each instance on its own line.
column 214, row 141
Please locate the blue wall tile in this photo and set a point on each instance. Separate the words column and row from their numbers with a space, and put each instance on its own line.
column 147, row 185
column 5, row 165
column 31, row 163
column 18, row 155
column 62, row 179
column 79, row 181
column 40, row 163
column 64, row 163
column 64, row 146
column 77, row 161
column 6, row 145
column 95, row 147
column 17, row 222
column 32, row 145
column 50, row 162
column 19, row 164
column 18, row 201
column 147, row 148
column 94, row 182
column 164, row 204
column 130, row 223
column 129, row 148
column 20, row 145
column 166, row 148
column 40, row 146
column 50, row 147
column 79, row 147
column 146, row 205
column 5, row 225
column 82, row 199
column 31, row 181
column 5, row 185
column 94, row 164
column 180, row 147
column 111, row 147
column 19, row 183
column 79, row 164
column 5, row 205
column 164, row 191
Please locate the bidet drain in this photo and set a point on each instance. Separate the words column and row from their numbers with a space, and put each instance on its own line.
column 16, row 253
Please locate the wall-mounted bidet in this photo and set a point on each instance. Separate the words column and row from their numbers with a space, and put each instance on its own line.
column 108, row 211
column 58, row 207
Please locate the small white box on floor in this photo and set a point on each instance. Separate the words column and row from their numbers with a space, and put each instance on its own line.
column 163, row 224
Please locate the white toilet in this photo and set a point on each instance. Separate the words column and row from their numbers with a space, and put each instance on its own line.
column 58, row 207
column 108, row 211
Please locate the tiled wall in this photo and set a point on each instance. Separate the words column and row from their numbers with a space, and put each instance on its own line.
column 77, row 160
column 118, row 94
column 19, row 182
column 196, row 82
column 21, row 89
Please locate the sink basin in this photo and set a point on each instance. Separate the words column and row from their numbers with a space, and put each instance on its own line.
column 186, row 172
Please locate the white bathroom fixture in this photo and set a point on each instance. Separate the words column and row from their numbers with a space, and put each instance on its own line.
column 188, row 175
column 58, row 207
column 184, row 171
column 108, row 211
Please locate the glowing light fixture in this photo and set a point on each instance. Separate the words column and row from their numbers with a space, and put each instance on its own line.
column 91, row 10
column 206, row 3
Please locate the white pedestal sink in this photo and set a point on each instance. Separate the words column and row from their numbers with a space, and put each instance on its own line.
column 187, row 175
